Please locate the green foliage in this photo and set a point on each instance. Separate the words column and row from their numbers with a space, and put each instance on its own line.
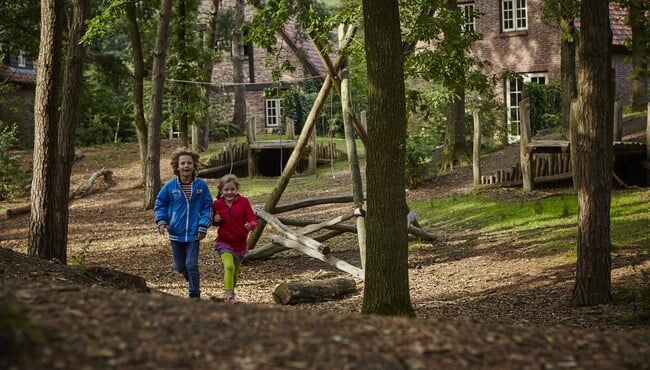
column 11, row 175
column 545, row 105
column 418, row 160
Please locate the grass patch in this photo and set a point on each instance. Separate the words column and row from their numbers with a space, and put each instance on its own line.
column 548, row 224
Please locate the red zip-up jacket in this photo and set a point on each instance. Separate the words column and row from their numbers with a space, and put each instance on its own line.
column 234, row 217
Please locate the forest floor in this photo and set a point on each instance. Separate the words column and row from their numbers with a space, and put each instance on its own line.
column 479, row 304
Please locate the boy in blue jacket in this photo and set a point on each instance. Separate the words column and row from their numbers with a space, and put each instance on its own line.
column 183, row 210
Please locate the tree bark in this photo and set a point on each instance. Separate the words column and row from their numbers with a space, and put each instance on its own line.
column 43, row 218
column 317, row 291
column 386, row 288
column 201, row 142
column 639, row 76
column 68, row 120
column 239, row 115
column 591, row 156
column 567, row 69
column 138, row 85
column 153, row 183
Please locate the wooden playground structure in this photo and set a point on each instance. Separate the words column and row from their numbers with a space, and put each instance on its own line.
column 549, row 161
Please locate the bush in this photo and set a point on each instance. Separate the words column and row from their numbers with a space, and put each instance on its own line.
column 10, row 172
column 545, row 105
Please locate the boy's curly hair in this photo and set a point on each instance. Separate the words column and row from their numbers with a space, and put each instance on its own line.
column 184, row 151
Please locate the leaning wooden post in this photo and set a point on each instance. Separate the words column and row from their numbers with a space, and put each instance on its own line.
column 313, row 154
column 250, row 137
column 647, row 146
column 476, row 154
column 525, row 154
column 618, row 122
column 353, row 158
column 293, row 160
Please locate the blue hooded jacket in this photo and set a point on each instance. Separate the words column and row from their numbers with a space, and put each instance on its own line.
column 184, row 218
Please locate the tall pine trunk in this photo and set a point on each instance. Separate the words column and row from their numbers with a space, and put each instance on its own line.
column 153, row 183
column 138, row 83
column 567, row 71
column 43, row 219
column 591, row 156
column 386, row 287
column 201, row 142
column 239, row 115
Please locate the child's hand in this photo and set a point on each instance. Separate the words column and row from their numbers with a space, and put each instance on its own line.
column 217, row 218
column 247, row 226
column 162, row 229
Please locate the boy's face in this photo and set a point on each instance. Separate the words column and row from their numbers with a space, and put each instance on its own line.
column 186, row 166
column 229, row 191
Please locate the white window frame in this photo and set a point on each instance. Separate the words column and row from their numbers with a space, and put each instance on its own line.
column 22, row 59
column 467, row 11
column 273, row 110
column 513, row 97
column 514, row 15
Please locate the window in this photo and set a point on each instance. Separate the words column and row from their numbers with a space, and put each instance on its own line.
column 467, row 10
column 514, row 94
column 273, row 113
column 514, row 15
column 22, row 59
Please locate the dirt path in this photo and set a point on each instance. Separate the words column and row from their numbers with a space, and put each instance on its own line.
column 479, row 304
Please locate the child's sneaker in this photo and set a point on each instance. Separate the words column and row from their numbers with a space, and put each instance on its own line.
column 230, row 299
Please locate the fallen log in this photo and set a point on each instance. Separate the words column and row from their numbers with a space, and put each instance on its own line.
column 340, row 227
column 338, row 263
column 83, row 189
column 324, row 290
column 312, row 202
column 79, row 192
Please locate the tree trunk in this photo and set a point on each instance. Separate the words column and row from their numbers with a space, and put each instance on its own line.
column 153, row 183
column 72, row 87
column 138, row 83
column 386, row 288
column 202, row 140
column 43, row 218
column 567, row 72
column 591, row 156
column 239, row 115
column 639, row 62
column 183, row 97
column 455, row 152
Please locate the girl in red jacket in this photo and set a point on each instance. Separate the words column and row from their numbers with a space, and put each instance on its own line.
column 234, row 216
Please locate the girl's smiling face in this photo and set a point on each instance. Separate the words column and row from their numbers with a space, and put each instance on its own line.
column 229, row 191
column 186, row 167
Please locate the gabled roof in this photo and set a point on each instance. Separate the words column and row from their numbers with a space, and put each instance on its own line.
column 302, row 44
column 17, row 75
column 617, row 19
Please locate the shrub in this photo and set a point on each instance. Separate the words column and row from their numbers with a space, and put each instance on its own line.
column 10, row 172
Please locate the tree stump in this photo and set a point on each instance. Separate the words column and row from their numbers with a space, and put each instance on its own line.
column 324, row 290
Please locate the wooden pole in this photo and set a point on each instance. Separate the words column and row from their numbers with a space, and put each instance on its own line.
column 647, row 146
column 353, row 158
column 525, row 154
column 476, row 154
column 294, row 159
column 618, row 122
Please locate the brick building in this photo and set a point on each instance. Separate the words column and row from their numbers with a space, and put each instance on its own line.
column 516, row 38
column 266, row 112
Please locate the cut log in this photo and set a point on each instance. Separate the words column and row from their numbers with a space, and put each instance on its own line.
column 317, row 291
column 339, row 227
column 11, row 213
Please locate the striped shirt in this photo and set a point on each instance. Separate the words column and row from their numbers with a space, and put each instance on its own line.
column 187, row 189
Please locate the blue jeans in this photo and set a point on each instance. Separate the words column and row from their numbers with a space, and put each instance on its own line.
column 186, row 262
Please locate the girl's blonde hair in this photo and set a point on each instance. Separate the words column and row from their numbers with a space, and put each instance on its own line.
column 226, row 179
column 184, row 151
